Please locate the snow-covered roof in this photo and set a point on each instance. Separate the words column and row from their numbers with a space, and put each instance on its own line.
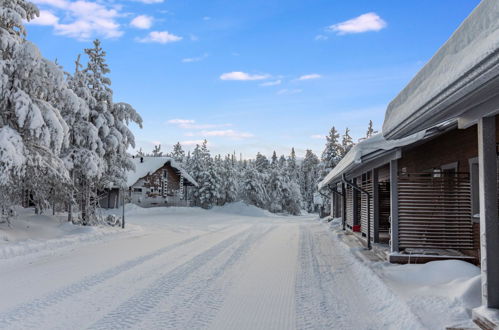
column 354, row 157
column 465, row 63
column 151, row 165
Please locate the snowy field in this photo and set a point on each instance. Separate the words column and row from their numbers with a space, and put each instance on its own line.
column 235, row 267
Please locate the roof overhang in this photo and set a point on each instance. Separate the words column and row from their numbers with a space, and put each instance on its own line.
column 461, row 81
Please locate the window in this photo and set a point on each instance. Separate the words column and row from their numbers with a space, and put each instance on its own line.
column 137, row 190
column 449, row 169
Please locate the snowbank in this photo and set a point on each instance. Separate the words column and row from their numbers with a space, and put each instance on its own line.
column 441, row 293
column 241, row 208
column 31, row 234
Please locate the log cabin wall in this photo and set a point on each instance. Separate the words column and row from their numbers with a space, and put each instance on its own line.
column 155, row 180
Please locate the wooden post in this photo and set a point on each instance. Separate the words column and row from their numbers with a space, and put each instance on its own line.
column 375, row 201
column 123, row 208
column 355, row 208
column 489, row 224
column 394, row 207
column 344, row 206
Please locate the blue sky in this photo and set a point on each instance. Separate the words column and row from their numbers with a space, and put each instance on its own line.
column 256, row 75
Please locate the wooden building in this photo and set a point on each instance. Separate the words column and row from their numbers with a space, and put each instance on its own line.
column 156, row 181
column 443, row 187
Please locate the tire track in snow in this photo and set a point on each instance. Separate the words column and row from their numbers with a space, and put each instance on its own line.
column 37, row 306
column 338, row 291
column 195, row 304
column 314, row 309
column 134, row 309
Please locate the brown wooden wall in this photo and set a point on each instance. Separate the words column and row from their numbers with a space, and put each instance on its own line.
column 456, row 145
column 155, row 180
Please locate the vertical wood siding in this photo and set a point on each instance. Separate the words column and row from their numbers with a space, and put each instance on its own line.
column 349, row 209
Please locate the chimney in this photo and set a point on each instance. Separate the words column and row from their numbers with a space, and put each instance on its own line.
column 141, row 159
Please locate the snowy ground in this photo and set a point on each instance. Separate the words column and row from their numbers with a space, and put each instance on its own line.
column 229, row 268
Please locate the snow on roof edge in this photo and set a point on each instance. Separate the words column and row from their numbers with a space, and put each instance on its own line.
column 151, row 165
column 476, row 39
column 375, row 143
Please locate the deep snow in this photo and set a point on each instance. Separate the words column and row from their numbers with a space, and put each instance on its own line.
column 235, row 267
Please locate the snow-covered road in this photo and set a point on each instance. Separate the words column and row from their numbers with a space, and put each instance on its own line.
column 195, row 270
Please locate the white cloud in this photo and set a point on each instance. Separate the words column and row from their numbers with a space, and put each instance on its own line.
column 243, row 76
column 321, row 37
column 45, row 18
column 81, row 19
column 194, row 59
column 191, row 124
column 192, row 142
column 148, row 2
column 310, row 76
column 161, row 37
column 206, row 18
column 286, row 91
column 317, row 136
column 228, row 133
column 181, row 121
column 363, row 23
column 142, row 22
column 271, row 83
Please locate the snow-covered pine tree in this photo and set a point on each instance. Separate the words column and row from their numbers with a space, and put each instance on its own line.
column 309, row 174
column 274, row 159
column 110, row 118
column 84, row 154
column 261, row 162
column 156, row 151
column 32, row 130
column 178, row 153
column 346, row 142
column 253, row 188
column 230, row 179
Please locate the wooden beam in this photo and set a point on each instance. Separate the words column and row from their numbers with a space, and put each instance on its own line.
column 394, row 206
column 489, row 224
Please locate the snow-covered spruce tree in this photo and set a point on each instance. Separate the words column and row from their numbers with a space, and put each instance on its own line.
column 156, row 151
column 274, row 159
column 85, row 151
column 292, row 166
column 253, row 189
column 178, row 153
column 370, row 130
column 230, row 179
column 32, row 130
column 308, row 178
column 261, row 163
column 111, row 119
column 331, row 156
column 333, row 150
column 346, row 142
column 203, row 171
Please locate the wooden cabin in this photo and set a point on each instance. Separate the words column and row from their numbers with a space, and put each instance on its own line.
column 156, row 181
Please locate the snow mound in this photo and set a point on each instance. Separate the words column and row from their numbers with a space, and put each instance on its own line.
column 443, row 293
column 241, row 208
column 432, row 273
column 30, row 234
